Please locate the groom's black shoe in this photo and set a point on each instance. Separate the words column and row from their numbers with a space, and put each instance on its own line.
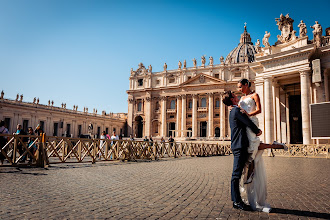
column 241, row 206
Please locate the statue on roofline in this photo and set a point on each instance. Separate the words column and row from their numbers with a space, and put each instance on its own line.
column 302, row 29
column 317, row 33
column 211, row 61
column 265, row 39
column 194, row 62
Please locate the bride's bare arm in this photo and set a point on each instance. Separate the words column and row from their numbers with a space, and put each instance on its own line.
column 258, row 105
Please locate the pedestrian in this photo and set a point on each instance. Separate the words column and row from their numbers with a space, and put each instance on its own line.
column 146, row 139
column 3, row 140
column 151, row 141
column 171, row 140
column 31, row 145
column 102, row 144
column 20, row 131
column 113, row 138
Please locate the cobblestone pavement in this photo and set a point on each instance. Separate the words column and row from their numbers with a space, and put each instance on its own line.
column 298, row 188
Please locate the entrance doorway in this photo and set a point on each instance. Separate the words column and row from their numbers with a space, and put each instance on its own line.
column 295, row 119
column 139, row 127
column 203, row 127
column 171, row 127
column 189, row 133
column 217, row 132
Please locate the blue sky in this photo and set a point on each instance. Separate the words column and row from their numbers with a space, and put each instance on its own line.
column 80, row 52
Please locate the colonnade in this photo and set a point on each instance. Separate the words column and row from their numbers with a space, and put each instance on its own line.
column 274, row 120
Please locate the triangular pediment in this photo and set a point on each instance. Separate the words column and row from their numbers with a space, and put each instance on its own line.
column 202, row 79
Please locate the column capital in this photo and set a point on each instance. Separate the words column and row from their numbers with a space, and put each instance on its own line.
column 183, row 96
column 178, row 96
column 131, row 100
column 163, row 98
column 210, row 94
column 304, row 73
column 148, row 98
column 194, row 95
column 267, row 78
column 258, row 82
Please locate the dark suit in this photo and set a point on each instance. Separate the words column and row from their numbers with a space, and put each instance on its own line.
column 239, row 145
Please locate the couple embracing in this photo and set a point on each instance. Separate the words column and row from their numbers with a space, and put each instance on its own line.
column 247, row 149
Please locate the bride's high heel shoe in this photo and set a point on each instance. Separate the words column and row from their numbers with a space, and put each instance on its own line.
column 249, row 180
column 284, row 146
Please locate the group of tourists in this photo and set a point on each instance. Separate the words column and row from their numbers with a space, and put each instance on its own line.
column 28, row 140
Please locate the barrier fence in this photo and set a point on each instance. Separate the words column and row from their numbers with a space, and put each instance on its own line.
column 44, row 150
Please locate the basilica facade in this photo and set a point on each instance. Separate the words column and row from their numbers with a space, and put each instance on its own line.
column 186, row 102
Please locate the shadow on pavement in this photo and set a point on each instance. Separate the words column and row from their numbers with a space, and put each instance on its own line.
column 19, row 171
column 301, row 213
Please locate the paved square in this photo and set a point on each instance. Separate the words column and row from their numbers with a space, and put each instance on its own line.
column 198, row 187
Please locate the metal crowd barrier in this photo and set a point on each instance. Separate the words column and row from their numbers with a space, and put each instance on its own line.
column 44, row 150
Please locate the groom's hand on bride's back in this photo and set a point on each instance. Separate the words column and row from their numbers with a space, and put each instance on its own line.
column 260, row 132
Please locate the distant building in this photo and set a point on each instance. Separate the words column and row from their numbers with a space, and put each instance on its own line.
column 59, row 121
column 185, row 102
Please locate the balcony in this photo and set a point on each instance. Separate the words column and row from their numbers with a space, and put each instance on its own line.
column 202, row 109
column 171, row 110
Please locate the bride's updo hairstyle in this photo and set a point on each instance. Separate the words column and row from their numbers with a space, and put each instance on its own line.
column 245, row 82
column 227, row 98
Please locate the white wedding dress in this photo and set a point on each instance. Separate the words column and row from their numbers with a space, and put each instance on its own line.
column 256, row 190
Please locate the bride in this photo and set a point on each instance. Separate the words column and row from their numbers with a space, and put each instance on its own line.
column 255, row 176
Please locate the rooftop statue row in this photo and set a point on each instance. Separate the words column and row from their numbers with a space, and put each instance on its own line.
column 143, row 70
column 285, row 25
column 19, row 98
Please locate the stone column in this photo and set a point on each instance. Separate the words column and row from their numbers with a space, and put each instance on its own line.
column 222, row 118
column 184, row 115
column 210, row 121
column 194, row 116
column 268, row 110
column 319, row 93
column 305, row 98
column 178, row 115
column 163, row 125
column 326, row 84
column 283, row 116
column 73, row 128
column 259, row 85
column 147, row 113
column 129, row 117
column 278, row 113
column 287, row 111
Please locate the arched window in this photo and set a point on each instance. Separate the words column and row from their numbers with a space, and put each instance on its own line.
column 217, row 103
column 203, row 102
column 157, row 105
column 190, row 105
column 139, row 106
column 173, row 104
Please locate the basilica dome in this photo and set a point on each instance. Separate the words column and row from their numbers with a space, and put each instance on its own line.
column 244, row 50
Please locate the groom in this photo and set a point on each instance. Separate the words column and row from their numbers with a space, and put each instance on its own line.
column 239, row 144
